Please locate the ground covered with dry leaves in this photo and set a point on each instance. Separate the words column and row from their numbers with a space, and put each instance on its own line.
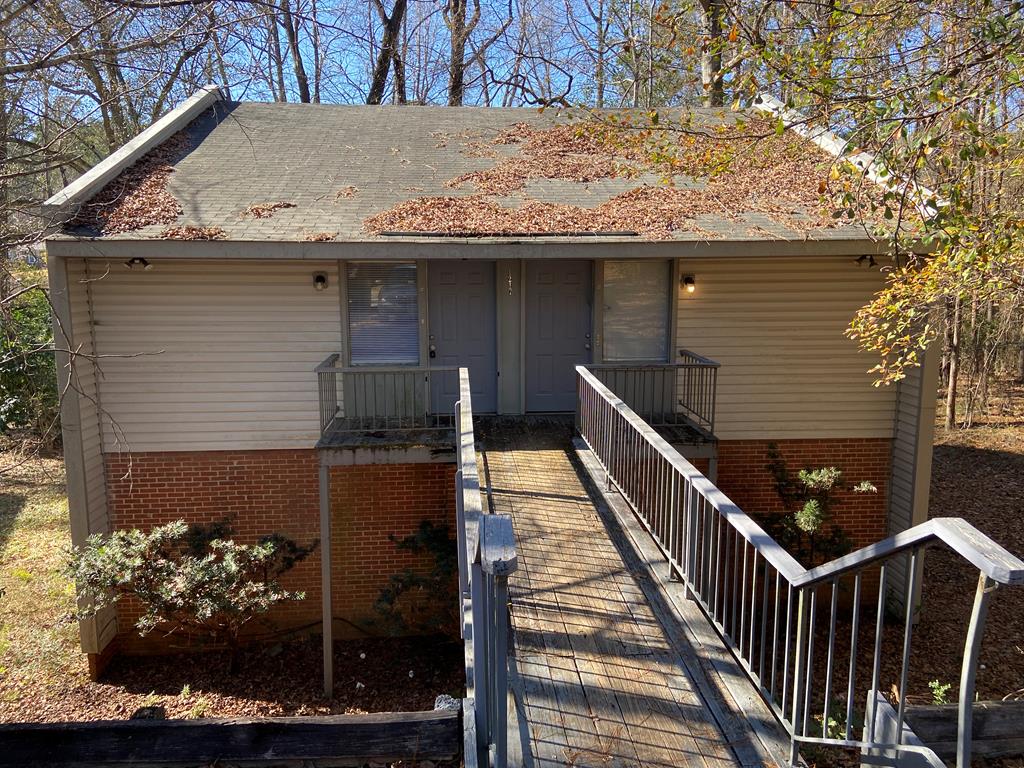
column 978, row 474
column 43, row 675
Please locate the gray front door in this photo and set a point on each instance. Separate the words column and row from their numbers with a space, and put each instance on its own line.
column 462, row 331
column 558, row 309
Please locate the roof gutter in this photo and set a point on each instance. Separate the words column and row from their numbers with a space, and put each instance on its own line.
column 65, row 204
column 925, row 200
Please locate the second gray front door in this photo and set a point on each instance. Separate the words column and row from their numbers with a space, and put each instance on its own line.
column 558, row 310
column 462, row 331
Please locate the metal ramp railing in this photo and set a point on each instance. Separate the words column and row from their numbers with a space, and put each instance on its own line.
column 765, row 605
column 487, row 556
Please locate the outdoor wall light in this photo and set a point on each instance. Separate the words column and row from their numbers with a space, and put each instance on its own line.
column 689, row 283
column 138, row 261
column 320, row 281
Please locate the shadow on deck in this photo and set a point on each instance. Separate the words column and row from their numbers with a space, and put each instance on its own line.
column 609, row 665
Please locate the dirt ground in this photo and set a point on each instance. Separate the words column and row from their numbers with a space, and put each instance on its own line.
column 978, row 474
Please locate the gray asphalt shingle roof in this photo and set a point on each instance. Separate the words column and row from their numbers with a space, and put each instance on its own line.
column 242, row 154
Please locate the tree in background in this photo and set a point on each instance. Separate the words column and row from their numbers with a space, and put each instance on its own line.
column 932, row 90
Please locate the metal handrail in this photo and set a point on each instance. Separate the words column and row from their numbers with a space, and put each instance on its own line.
column 690, row 357
column 487, row 557
column 379, row 397
column 956, row 533
column 667, row 394
column 761, row 601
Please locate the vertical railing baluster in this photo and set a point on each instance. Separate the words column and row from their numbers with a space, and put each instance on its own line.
column 775, row 635
column 809, row 674
column 798, row 670
column 786, row 647
column 854, row 631
column 743, row 601
column 908, row 634
column 831, row 653
column 764, row 624
column 877, row 658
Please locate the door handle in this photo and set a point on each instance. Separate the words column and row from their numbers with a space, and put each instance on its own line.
column 433, row 352
column 586, row 346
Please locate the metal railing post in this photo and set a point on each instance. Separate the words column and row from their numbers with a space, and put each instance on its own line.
column 500, row 687
column 798, row 672
column 481, row 684
column 975, row 631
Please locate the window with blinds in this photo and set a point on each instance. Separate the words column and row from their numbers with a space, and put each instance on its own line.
column 383, row 314
column 636, row 307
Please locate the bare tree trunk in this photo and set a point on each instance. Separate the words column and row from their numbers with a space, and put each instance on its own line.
column 711, row 53
column 389, row 52
column 455, row 17
column 601, row 52
column 276, row 60
column 318, row 63
column 291, row 30
column 954, row 366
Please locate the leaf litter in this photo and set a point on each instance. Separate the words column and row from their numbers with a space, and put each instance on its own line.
column 784, row 178
column 138, row 196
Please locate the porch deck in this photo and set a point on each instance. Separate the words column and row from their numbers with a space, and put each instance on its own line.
column 603, row 671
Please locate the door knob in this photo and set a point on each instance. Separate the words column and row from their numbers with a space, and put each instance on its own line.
column 586, row 346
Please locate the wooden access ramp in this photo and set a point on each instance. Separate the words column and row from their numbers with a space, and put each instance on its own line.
column 605, row 668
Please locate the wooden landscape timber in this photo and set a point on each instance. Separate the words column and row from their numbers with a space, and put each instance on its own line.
column 998, row 728
column 333, row 740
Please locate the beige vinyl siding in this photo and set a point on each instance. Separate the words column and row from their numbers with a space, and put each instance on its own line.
column 912, row 458
column 912, row 444
column 776, row 327
column 90, row 513
column 213, row 355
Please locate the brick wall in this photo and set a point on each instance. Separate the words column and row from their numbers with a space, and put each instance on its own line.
column 371, row 507
column 744, row 477
column 277, row 491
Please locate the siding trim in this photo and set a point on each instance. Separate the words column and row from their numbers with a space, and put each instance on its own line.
column 459, row 248
column 96, row 632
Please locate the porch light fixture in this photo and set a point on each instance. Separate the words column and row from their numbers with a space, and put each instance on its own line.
column 320, row 281
column 138, row 261
column 689, row 283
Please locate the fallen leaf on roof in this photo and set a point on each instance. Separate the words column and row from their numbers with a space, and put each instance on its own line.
column 718, row 174
column 647, row 211
column 346, row 192
column 138, row 196
column 189, row 232
column 319, row 237
column 479, row 149
column 560, row 152
column 265, row 210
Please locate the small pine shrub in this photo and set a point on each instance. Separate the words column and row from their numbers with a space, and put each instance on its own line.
column 186, row 577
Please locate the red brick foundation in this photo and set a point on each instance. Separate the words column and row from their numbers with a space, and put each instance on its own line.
column 744, row 477
column 277, row 491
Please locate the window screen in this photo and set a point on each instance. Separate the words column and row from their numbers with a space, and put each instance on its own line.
column 383, row 316
column 636, row 295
